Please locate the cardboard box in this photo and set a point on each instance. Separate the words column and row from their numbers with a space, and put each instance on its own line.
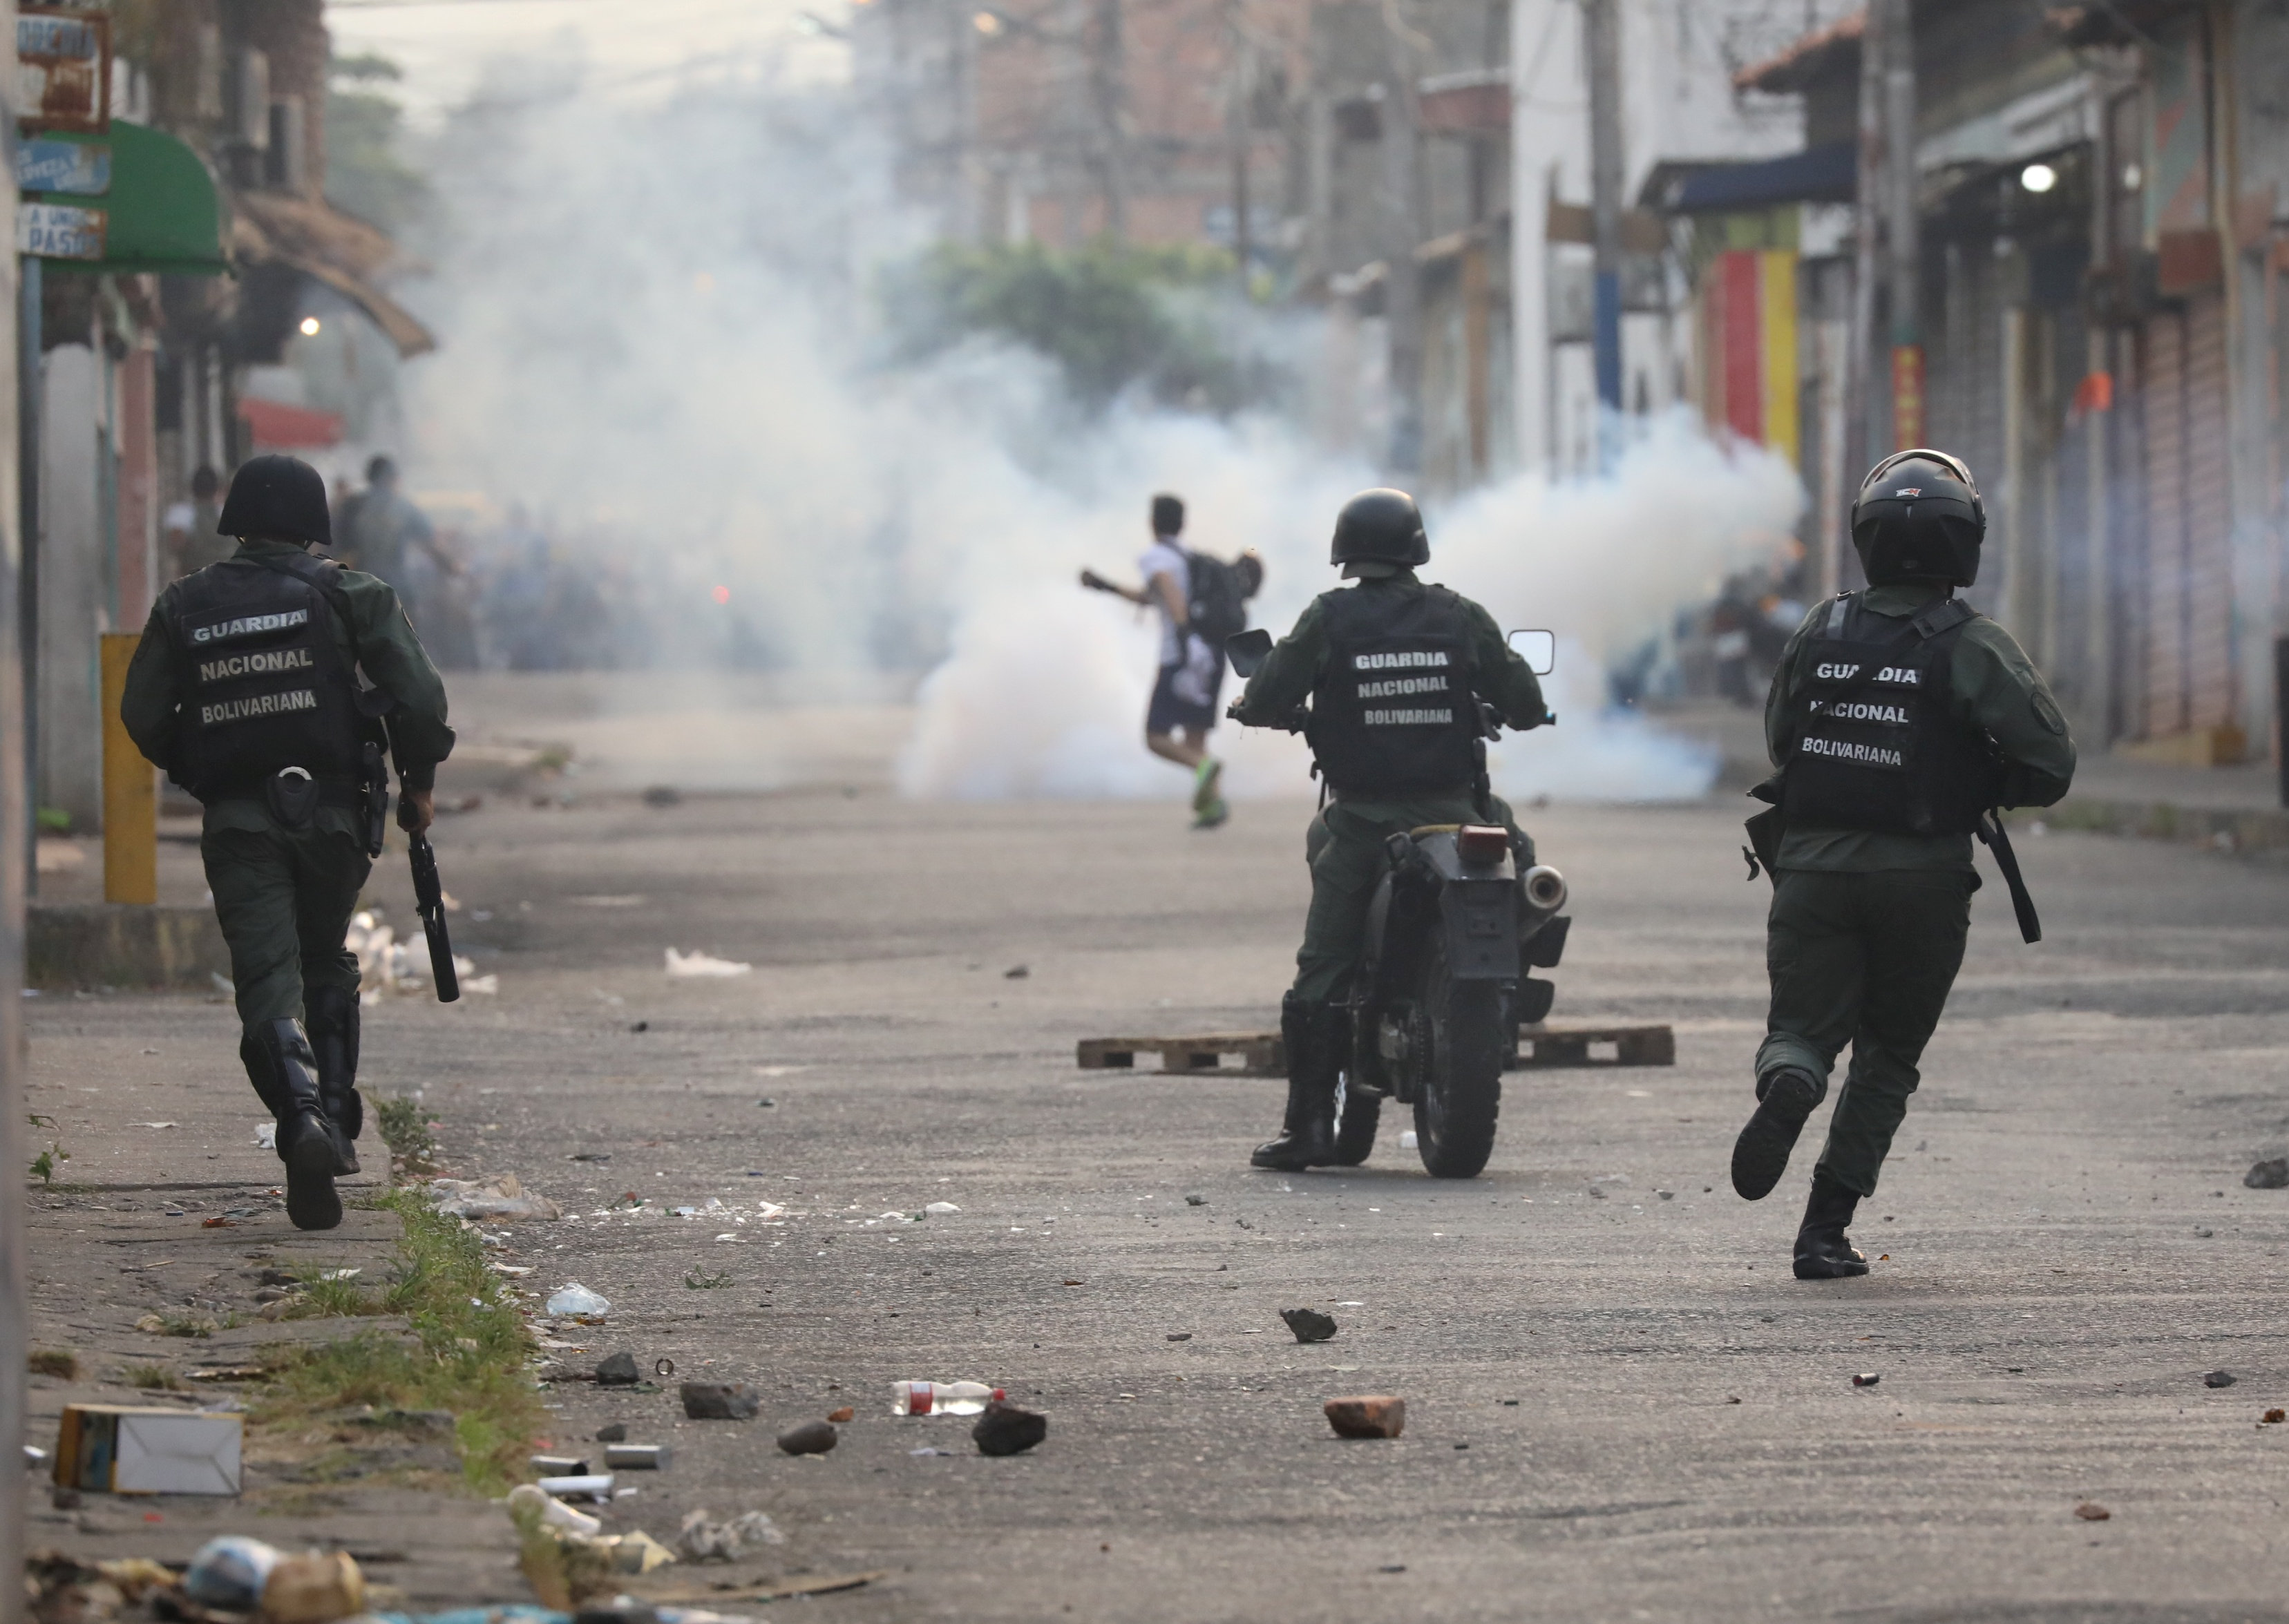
column 125, row 1449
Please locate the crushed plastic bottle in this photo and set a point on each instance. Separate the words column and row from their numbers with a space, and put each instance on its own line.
column 230, row 1572
column 577, row 1301
column 940, row 1398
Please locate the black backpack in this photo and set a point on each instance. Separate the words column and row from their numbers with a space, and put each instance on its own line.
column 1219, row 598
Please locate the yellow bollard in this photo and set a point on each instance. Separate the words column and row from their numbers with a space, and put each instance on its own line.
column 131, row 791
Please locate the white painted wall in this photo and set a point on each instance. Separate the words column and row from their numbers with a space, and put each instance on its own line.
column 1678, row 62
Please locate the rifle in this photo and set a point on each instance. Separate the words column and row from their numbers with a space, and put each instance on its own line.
column 429, row 902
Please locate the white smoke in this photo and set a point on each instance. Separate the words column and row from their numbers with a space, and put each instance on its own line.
column 657, row 329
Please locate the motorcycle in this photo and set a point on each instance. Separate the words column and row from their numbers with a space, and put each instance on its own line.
column 1453, row 932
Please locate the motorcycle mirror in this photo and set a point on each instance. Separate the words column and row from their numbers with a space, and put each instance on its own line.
column 1538, row 649
column 1249, row 650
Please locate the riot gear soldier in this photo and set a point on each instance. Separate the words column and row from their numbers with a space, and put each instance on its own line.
column 1898, row 718
column 268, row 686
column 1394, row 669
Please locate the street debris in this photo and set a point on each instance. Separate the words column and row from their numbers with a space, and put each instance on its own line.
column 1309, row 1325
column 574, row 1301
column 721, row 1401
column 2272, row 1175
column 494, row 1199
column 1408, row 1142
column 1180, row 1337
column 2091, row 1511
column 596, row 1487
column 811, row 1438
column 1016, row 972
column 2217, row 1378
column 1866, row 1378
column 126, row 1449
column 701, row 966
column 314, row 1589
column 1367, row 1416
column 614, row 1432
column 635, row 1457
column 1196, row 1201
column 617, row 1370
column 1008, row 1428
column 527, row 1503
column 558, row 1466
column 702, row 1539
column 941, row 1209
column 846, row 1413
column 940, row 1398
column 2273, row 1418
column 229, row 1573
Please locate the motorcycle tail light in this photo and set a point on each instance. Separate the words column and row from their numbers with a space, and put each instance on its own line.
column 1481, row 843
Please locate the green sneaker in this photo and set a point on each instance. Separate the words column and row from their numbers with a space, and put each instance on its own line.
column 1213, row 815
column 1204, row 786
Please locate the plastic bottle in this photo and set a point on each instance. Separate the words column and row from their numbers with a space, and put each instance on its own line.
column 940, row 1398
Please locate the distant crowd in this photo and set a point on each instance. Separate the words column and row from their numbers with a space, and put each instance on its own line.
column 501, row 597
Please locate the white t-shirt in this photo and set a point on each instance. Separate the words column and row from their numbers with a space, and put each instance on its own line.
column 1164, row 557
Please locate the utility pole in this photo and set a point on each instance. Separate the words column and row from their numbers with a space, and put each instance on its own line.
column 1866, row 419
column 1604, row 23
column 1899, row 66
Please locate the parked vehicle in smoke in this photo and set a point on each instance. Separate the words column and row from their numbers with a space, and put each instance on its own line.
column 1454, row 932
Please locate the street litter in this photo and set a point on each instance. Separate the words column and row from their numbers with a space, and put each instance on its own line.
column 691, row 965
column 125, row 1449
column 2273, row 1417
column 229, row 1573
column 721, row 1401
column 596, row 1487
column 558, row 1466
column 266, row 1136
column 1367, row 1416
column 1407, row 1140
column 843, row 1414
column 495, row 1198
column 635, row 1457
column 2272, row 1175
column 2217, row 1378
column 702, row 1539
column 577, row 1301
column 526, row 1500
column 314, row 1589
column 940, row 1398
column 618, row 1370
column 940, row 1209
column 2091, row 1511
column 1008, row 1428
column 1866, row 1379
column 811, row 1438
column 1309, row 1325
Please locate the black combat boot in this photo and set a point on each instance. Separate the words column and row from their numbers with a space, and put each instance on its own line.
column 333, row 1013
column 1785, row 1098
column 285, row 1073
column 1311, row 1033
column 1823, row 1251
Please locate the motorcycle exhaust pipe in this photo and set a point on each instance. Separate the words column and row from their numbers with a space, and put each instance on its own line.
column 1545, row 888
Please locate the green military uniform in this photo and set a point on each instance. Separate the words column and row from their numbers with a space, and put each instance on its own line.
column 284, row 896
column 1344, row 844
column 1867, row 926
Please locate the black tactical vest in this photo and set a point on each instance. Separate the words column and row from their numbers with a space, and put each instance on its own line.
column 1392, row 713
column 264, row 683
column 1874, row 740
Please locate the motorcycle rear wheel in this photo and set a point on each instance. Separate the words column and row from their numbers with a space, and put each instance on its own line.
column 1461, row 1082
column 1357, row 1114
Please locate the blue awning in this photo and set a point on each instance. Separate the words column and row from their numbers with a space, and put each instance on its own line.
column 1818, row 174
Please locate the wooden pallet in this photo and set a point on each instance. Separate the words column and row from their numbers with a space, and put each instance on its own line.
column 1260, row 1054
column 1540, row 1047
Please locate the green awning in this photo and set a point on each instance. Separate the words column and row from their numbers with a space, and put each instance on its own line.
column 159, row 213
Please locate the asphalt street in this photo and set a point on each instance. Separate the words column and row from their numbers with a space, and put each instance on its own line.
column 1621, row 1405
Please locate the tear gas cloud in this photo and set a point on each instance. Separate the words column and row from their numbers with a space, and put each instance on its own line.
column 660, row 336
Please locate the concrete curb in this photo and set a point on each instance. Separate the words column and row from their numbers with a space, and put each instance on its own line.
column 119, row 945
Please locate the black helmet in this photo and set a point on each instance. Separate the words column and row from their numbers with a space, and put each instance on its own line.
column 1380, row 526
column 1919, row 517
column 280, row 499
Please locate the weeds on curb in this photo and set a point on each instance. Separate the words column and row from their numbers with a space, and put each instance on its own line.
column 693, row 1280
column 52, row 1362
column 405, row 1128
column 466, row 1351
column 155, row 1378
